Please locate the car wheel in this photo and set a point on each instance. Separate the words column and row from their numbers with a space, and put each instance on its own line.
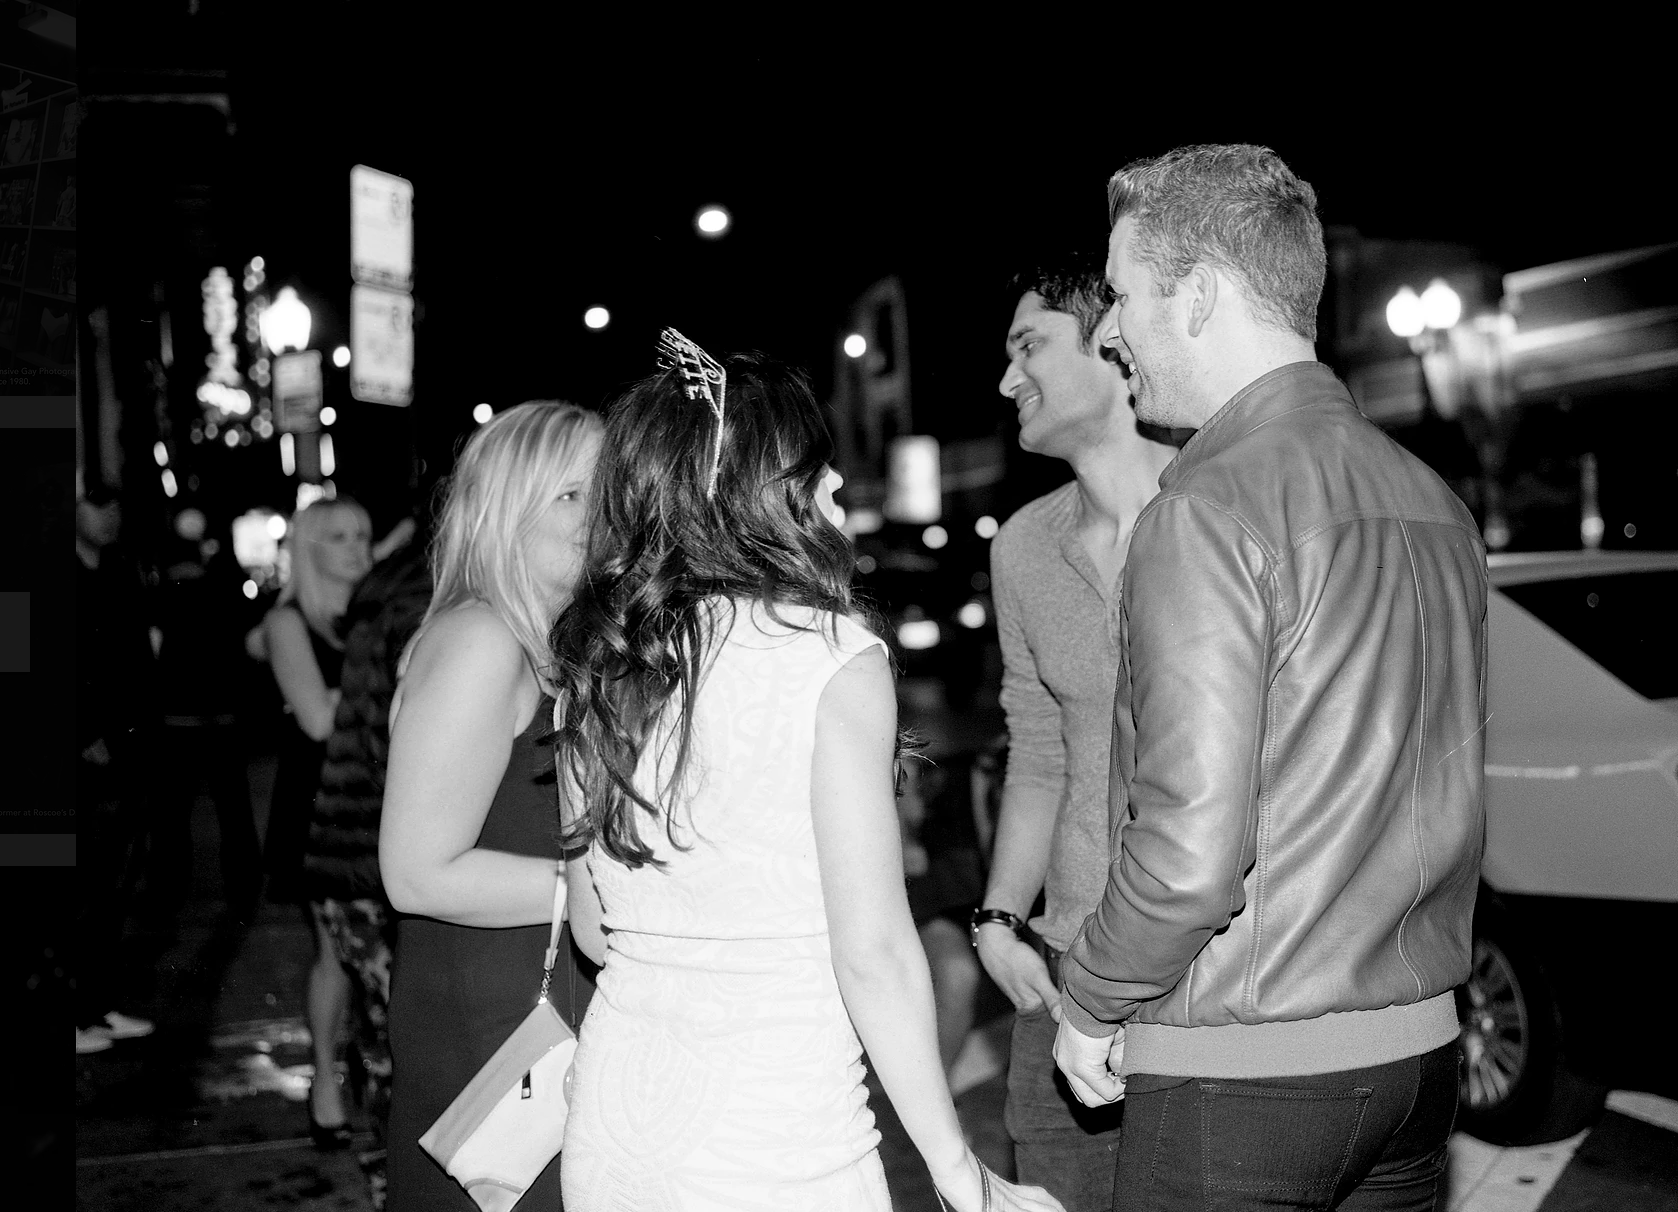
column 1514, row 1089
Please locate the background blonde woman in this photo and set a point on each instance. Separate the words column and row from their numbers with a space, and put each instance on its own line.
column 329, row 551
column 469, row 837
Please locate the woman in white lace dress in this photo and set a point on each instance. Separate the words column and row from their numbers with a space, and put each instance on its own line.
column 728, row 721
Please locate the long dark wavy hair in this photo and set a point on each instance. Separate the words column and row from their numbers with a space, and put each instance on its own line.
column 665, row 565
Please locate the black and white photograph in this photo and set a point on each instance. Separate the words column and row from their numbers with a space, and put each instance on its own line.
column 836, row 611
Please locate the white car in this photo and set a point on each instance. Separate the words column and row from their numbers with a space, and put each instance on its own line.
column 1576, row 930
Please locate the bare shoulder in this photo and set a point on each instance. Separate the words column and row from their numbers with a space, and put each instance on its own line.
column 285, row 621
column 469, row 641
column 860, row 691
column 287, row 637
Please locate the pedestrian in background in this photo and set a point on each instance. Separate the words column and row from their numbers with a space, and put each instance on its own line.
column 203, row 745
column 117, row 727
column 341, row 863
column 328, row 550
column 469, row 839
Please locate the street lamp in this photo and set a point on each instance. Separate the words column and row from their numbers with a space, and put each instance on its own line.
column 1458, row 363
column 285, row 325
column 1425, row 321
column 1422, row 319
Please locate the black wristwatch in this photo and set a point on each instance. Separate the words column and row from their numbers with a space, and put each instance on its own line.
column 981, row 916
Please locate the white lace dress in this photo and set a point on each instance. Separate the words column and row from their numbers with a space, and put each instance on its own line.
column 717, row 1067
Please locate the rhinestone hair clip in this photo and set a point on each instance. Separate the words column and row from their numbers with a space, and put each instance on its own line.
column 703, row 378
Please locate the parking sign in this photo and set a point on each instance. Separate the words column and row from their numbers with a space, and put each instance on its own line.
column 297, row 391
column 381, row 345
column 381, row 228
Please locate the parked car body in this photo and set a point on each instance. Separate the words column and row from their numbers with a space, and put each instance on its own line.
column 1579, row 895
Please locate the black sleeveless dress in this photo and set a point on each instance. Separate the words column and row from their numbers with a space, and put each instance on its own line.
column 457, row 992
column 296, row 779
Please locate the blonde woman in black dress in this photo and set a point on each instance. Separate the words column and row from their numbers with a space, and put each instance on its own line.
column 469, row 838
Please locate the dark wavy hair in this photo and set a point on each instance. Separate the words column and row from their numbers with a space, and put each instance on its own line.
column 1072, row 282
column 665, row 566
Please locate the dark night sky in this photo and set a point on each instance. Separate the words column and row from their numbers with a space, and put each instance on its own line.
column 557, row 168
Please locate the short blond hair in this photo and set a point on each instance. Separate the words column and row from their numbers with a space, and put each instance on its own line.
column 1234, row 205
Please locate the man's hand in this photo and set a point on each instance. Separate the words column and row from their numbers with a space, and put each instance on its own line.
column 1017, row 969
column 1091, row 1064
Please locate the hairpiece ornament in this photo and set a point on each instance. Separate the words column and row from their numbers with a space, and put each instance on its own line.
column 703, row 378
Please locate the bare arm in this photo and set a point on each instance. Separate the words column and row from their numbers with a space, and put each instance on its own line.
column 1024, row 833
column 292, row 658
column 464, row 696
column 1031, row 795
column 877, row 956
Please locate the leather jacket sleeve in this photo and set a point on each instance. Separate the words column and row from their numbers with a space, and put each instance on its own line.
column 1200, row 601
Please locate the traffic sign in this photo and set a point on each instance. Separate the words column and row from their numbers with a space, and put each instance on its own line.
column 381, row 345
column 297, row 391
column 381, row 228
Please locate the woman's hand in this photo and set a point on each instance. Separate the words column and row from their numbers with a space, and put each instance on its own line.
column 964, row 1190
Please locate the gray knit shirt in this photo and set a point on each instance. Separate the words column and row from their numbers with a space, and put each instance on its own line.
column 1059, row 628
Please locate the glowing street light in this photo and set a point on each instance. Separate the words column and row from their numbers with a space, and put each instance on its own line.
column 597, row 318
column 1436, row 309
column 1404, row 313
column 1441, row 306
column 285, row 324
column 713, row 221
column 856, row 345
column 482, row 413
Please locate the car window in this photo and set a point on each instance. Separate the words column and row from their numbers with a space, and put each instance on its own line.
column 1624, row 623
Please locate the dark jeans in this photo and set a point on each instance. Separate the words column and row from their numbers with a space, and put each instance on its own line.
column 1059, row 1144
column 1373, row 1140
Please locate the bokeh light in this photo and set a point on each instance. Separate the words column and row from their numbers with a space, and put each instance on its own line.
column 713, row 221
column 597, row 317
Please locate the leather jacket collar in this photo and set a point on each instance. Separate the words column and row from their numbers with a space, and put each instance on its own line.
column 1267, row 397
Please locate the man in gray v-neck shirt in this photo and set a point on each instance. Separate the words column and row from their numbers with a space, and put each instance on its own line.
column 1056, row 570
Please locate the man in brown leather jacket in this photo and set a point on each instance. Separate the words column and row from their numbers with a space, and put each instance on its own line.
column 1297, row 752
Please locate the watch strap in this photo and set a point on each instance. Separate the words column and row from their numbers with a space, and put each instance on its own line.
column 984, row 916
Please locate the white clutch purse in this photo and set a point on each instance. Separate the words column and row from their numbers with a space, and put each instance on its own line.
column 504, row 1128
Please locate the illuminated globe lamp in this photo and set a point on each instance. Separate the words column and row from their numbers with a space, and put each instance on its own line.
column 1425, row 321
column 1441, row 306
column 1419, row 319
column 285, row 323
